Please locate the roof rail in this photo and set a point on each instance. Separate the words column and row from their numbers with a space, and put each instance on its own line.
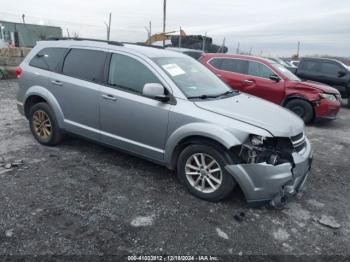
column 86, row 39
column 143, row 44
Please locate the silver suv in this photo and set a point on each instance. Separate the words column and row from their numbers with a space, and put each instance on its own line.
column 166, row 107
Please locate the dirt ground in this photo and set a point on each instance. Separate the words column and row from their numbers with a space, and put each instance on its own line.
column 80, row 198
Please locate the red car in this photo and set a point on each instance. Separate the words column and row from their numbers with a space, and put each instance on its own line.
column 271, row 81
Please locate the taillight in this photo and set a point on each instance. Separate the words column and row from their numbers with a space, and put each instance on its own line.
column 18, row 72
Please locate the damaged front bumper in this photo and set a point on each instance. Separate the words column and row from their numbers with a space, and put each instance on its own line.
column 262, row 182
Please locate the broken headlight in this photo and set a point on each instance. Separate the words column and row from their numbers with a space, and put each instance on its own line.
column 257, row 140
column 270, row 150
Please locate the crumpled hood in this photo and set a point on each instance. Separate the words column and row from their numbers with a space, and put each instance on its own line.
column 319, row 86
column 276, row 120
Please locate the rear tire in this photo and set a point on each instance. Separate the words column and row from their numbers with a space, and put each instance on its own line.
column 43, row 125
column 301, row 108
column 217, row 185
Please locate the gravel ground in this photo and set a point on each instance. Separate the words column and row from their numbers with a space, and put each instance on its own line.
column 84, row 199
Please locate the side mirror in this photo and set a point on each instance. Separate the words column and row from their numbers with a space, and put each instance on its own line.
column 341, row 73
column 275, row 78
column 156, row 91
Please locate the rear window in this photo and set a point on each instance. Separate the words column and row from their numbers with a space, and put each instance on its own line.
column 85, row 64
column 48, row 58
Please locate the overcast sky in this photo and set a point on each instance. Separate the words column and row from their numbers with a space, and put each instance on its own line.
column 272, row 27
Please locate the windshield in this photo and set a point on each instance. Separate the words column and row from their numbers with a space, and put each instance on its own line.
column 194, row 79
column 286, row 72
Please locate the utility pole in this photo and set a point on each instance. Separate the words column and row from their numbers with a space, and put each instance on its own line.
column 180, row 38
column 238, row 46
column 204, row 40
column 109, row 27
column 68, row 33
column 250, row 51
column 150, row 29
column 221, row 49
column 164, row 19
column 298, row 49
column 23, row 16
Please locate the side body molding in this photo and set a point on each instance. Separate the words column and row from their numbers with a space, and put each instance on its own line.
column 51, row 100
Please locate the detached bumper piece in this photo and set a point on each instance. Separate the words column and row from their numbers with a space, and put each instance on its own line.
column 274, row 183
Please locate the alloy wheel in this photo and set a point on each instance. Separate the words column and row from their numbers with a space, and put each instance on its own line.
column 42, row 125
column 203, row 172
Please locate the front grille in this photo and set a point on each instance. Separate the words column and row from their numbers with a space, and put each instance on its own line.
column 299, row 142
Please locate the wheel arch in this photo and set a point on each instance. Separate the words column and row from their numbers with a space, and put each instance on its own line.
column 198, row 133
column 37, row 94
column 295, row 97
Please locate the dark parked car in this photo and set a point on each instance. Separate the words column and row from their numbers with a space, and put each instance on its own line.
column 328, row 71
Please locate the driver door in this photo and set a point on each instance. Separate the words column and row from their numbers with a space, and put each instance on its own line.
column 258, row 83
column 128, row 120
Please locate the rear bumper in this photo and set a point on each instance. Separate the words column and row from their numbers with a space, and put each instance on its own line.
column 263, row 182
column 326, row 109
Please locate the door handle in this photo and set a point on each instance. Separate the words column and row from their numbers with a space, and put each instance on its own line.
column 56, row 82
column 109, row 97
column 248, row 82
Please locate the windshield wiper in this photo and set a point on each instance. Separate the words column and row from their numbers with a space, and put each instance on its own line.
column 200, row 97
column 211, row 96
column 226, row 93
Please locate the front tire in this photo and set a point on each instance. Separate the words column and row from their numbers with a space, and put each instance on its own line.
column 301, row 108
column 201, row 169
column 43, row 125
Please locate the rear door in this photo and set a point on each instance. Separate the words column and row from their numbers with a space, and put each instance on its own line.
column 258, row 83
column 230, row 70
column 77, row 90
column 129, row 120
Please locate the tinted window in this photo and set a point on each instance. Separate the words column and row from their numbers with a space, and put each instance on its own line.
column 232, row 65
column 48, row 58
column 259, row 70
column 330, row 69
column 129, row 74
column 216, row 62
column 309, row 65
column 85, row 64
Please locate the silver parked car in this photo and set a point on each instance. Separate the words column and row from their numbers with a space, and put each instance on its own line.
column 166, row 107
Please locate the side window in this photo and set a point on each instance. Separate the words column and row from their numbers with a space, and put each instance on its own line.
column 85, row 64
column 216, row 62
column 235, row 65
column 129, row 74
column 309, row 65
column 330, row 69
column 259, row 70
column 231, row 65
column 48, row 58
